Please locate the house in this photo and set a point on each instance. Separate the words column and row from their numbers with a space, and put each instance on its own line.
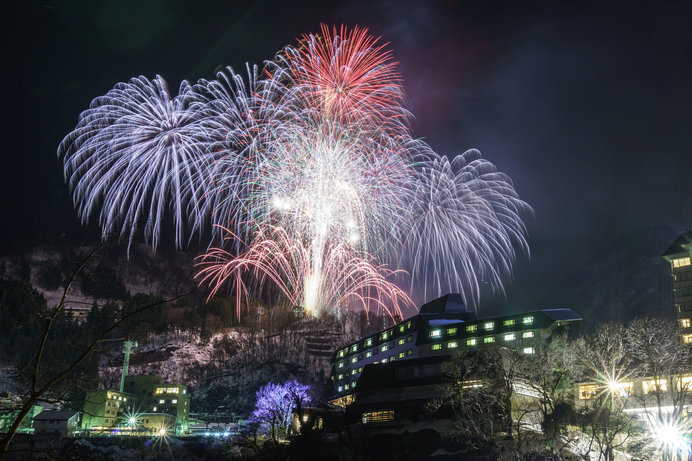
column 64, row 423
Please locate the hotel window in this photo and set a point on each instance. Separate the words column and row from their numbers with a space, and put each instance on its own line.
column 401, row 355
column 368, row 342
column 341, row 354
column 452, row 345
column 451, row 331
column 527, row 320
column 527, row 334
column 682, row 262
column 341, row 388
column 401, row 341
column 383, row 336
column 353, row 372
column 687, row 339
column 471, row 342
column 368, row 354
column 384, row 360
column 174, row 401
column 162, row 401
column 354, row 359
column 436, row 333
column 510, row 337
column 353, row 384
column 392, row 358
column 341, row 364
column 529, row 350
column 354, row 348
column 346, row 387
column 684, row 323
column 383, row 348
column 489, row 325
column 341, row 376
column 436, row 347
column 409, row 338
column 360, row 369
column 154, row 409
column 383, row 416
column 489, row 339
column 409, row 352
column 650, row 385
column 471, row 328
column 401, row 329
column 509, row 323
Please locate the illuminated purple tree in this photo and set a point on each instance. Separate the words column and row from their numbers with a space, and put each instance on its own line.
column 275, row 404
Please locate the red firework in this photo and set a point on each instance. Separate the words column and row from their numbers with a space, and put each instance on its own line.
column 347, row 75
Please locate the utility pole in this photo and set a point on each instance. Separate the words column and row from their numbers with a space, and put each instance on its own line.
column 127, row 349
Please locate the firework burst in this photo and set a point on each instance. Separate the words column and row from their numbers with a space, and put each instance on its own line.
column 308, row 174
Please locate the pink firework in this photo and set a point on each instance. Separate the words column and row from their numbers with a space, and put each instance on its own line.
column 346, row 75
column 344, row 280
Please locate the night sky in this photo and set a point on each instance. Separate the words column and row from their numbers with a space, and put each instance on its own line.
column 587, row 108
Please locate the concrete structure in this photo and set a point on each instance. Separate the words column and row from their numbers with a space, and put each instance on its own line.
column 104, row 409
column 679, row 255
column 64, row 423
column 155, row 396
column 442, row 327
column 9, row 410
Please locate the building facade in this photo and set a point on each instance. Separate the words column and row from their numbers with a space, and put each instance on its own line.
column 679, row 256
column 64, row 423
column 104, row 409
column 174, row 400
column 442, row 327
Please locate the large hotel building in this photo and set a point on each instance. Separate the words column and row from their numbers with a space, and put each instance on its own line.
column 441, row 327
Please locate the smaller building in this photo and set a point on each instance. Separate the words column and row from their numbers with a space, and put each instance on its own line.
column 63, row 423
column 173, row 399
column 104, row 408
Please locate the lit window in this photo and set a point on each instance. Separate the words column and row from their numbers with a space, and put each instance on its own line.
column 341, row 388
column 154, row 408
column 527, row 320
column 162, row 401
column 392, row 358
column 401, row 329
column 184, row 391
column 354, row 348
column 685, row 323
column 401, row 341
column 346, row 386
column 341, row 376
column 124, row 399
column 527, row 334
column 384, row 360
column 510, row 337
column 368, row 354
column 354, row 359
column 452, row 345
column 401, row 355
column 120, row 398
column 471, row 342
column 489, row 325
column 687, row 339
column 436, row 333
column 451, row 331
column 682, row 262
column 471, row 328
column 489, row 339
column 341, row 364
column 383, row 348
column 589, row 391
column 341, row 354
column 368, row 342
column 174, row 401
column 360, row 369
column 383, row 336
column 409, row 338
column 409, row 352
column 408, row 325
column 353, row 372
column 509, row 323
column 383, row 416
column 353, row 384
column 529, row 350
column 436, row 347
column 653, row 385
